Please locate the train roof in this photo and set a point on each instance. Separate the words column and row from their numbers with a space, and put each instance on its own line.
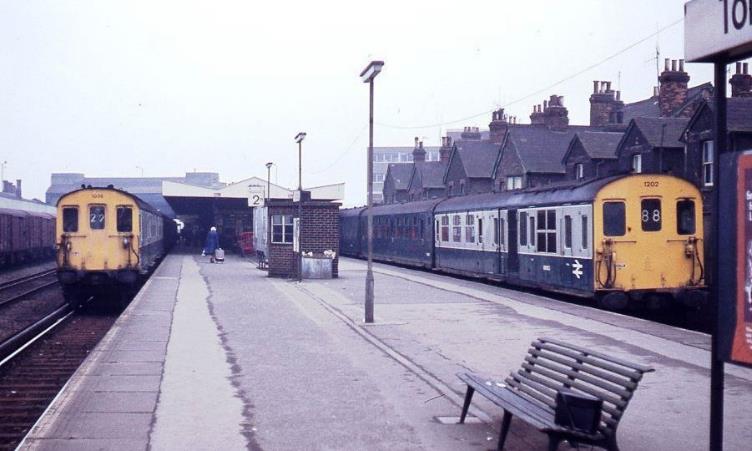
column 407, row 207
column 568, row 193
column 355, row 211
column 143, row 205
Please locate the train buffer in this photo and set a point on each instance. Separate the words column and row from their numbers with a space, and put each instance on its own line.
column 552, row 366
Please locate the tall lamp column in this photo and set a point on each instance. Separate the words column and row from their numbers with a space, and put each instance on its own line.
column 367, row 75
column 269, row 180
column 299, row 139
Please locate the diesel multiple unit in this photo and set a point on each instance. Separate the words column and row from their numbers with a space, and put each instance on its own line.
column 614, row 239
column 108, row 241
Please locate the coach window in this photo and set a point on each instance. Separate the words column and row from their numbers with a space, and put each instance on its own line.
column 96, row 217
column 497, row 231
column 685, row 217
column 546, row 231
column 70, row 219
column 470, row 228
column 456, row 228
column 584, row 232
column 124, row 219
column 531, row 226
column 650, row 215
column 480, row 230
column 614, row 219
column 502, row 232
column 568, row 232
column 445, row 228
column 282, row 229
column 523, row 229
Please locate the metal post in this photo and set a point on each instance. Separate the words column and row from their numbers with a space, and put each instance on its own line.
column 299, row 138
column 269, row 180
column 369, row 272
column 716, row 364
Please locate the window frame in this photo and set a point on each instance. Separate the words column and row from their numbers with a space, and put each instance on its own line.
column 104, row 216
column 118, row 226
column 579, row 170
column 708, row 160
column 77, row 219
column 623, row 218
column 284, row 225
column 637, row 163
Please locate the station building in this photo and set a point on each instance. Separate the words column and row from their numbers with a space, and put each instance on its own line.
column 199, row 200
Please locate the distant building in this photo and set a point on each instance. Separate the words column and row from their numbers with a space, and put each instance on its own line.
column 385, row 156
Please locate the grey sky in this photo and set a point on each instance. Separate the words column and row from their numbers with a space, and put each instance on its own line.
column 102, row 87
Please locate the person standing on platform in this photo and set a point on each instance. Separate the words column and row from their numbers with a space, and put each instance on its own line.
column 212, row 243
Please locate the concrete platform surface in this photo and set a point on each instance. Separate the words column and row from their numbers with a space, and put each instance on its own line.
column 218, row 356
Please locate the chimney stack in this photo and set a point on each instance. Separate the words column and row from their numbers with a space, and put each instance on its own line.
column 672, row 93
column 498, row 126
column 470, row 134
column 555, row 115
column 419, row 154
column 604, row 105
column 536, row 117
column 446, row 149
column 18, row 188
column 741, row 81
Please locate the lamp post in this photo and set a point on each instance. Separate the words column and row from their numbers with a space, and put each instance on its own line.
column 299, row 139
column 269, row 180
column 368, row 74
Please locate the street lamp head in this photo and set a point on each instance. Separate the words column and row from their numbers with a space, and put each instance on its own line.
column 269, row 165
column 370, row 72
column 300, row 137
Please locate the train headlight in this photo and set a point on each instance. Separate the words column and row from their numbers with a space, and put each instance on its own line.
column 126, row 242
column 68, row 246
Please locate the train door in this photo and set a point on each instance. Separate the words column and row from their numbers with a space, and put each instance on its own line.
column 513, row 259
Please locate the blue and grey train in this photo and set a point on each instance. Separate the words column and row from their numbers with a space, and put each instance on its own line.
column 614, row 239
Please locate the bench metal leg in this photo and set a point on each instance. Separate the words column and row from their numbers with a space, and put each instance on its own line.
column 612, row 446
column 505, row 423
column 466, row 405
column 553, row 442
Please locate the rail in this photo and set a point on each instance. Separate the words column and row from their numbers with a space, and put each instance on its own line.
column 16, row 290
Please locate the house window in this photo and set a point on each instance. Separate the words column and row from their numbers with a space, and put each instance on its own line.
column 456, row 228
column 70, row 219
column 579, row 170
column 470, row 228
column 546, row 231
column 462, row 187
column 514, row 182
column 282, row 229
column 707, row 163
column 637, row 163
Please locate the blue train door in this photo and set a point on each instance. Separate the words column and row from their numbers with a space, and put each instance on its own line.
column 513, row 260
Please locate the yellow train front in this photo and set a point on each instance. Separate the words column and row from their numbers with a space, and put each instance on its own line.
column 109, row 241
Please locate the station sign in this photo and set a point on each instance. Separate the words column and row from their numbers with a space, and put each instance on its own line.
column 735, row 258
column 717, row 29
column 256, row 195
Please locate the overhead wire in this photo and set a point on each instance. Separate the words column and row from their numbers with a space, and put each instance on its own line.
column 539, row 91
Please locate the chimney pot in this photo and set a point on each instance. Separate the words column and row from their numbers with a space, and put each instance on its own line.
column 416, row 141
column 673, row 65
column 608, row 86
column 738, row 67
column 618, row 95
column 666, row 63
column 595, row 86
column 18, row 188
column 545, row 105
column 681, row 65
column 420, row 144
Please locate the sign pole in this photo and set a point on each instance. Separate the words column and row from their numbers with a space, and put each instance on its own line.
column 716, row 360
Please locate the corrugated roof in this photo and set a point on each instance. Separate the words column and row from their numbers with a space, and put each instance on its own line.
column 662, row 131
column 400, row 173
column 600, row 144
column 478, row 157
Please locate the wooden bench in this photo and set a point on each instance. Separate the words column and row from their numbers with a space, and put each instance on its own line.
column 530, row 393
column 261, row 260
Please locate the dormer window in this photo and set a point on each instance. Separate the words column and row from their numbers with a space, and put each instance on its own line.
column 579, row 170
column 637, row 163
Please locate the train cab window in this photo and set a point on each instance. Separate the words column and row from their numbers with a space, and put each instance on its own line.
column 456, row 228
column 96, row 217
column 70, row 219
column 685, row 217
column 124, row 219
column 470, row 228
column 614, row 219
column 546, row 231
column 584, row 232
column 568, row 232
column 523, row 229
column 650, row 215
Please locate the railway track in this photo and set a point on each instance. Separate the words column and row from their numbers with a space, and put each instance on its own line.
column 22, row 287
column 38, row 362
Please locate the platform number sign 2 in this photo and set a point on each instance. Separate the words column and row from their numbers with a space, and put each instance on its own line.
column 650, row 215
column 256, row 196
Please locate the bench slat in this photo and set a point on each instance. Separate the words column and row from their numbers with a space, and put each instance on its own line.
column 565, row 381
column 615, row 411
column 542, row 394
column 634, row 366
column 629, row 384
column 632, row 374
column 578, row 375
